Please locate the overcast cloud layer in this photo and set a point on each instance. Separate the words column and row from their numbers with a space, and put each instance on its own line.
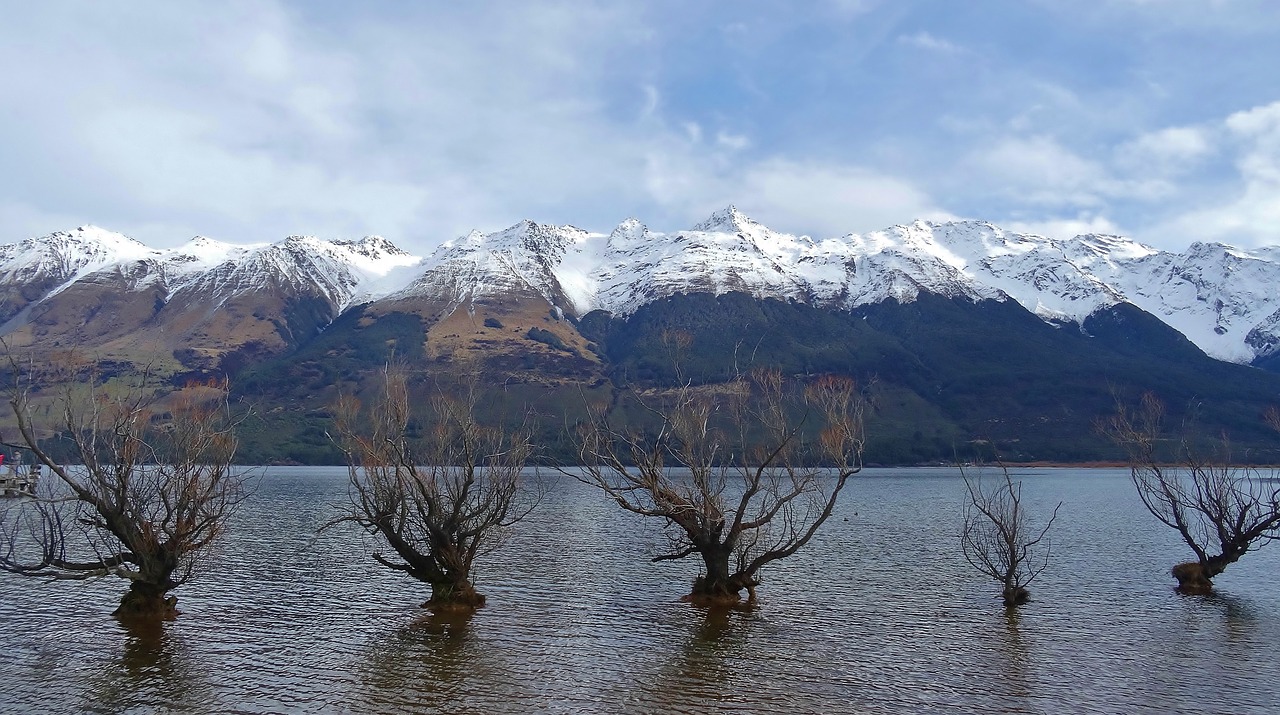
column 247, row 122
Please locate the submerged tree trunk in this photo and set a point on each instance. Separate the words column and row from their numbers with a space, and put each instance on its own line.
column 1196, row 578
column 718, row 586
column 1015, row 596
column 147, row 601
column 1192, row 579
column 454, row 595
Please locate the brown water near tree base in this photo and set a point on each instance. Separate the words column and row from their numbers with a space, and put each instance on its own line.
column 879, row 614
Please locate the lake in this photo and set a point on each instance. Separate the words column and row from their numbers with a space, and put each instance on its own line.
column 878, row 614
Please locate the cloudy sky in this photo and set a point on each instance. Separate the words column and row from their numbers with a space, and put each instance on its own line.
column 250, row 121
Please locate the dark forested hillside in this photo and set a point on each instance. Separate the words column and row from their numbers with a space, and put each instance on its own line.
column 949, row 377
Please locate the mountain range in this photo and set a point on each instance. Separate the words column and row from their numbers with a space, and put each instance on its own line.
column 558, row 306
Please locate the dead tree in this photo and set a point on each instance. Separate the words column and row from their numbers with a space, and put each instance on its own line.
column 438, row 492
column 1220, row 509
column 998, row 538
column 730, row 472
column 146, row 495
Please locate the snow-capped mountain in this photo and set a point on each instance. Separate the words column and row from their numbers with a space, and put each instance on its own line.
column 527, row 258
column 65, row 255
column 95, row 289
column 1221, row 298
column 342, row 271
column 729, row 252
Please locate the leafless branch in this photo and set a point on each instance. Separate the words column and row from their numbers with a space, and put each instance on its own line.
column 1220, row 509
column 151, row 493
column 440, row 492
column 997, row 538
column 729, row 470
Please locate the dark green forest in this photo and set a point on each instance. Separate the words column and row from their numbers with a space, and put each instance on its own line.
column 947, row 378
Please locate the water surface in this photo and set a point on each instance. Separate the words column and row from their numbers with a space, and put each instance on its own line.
column 878, row 614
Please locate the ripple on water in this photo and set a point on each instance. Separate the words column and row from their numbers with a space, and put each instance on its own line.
column 879, row 614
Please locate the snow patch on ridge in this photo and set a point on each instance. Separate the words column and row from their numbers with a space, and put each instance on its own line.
column 342, row 271
column 1059, row 280
column 1221, row 297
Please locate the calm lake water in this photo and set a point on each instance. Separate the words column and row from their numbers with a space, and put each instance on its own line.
column 878, row 614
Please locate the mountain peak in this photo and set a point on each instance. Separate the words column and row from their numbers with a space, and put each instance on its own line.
column 203, row 248
column 373, row 246
column 97, row 234
column 628, row 233
column 89, row 245
column 728, row 219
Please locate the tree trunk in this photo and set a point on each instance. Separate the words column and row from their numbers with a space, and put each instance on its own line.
column 454, row 595
column 1196, row 578
column 1192, row 579
column 147, row 601
column 1015, row 596
column 718, row 586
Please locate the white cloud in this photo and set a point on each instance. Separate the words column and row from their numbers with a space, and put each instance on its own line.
column 733, row 142
column 1173, row 150
column 256, row 123
column 1257, row 121
column 1250, row 215
column 1040, row 170
column 1259, row 130
column 925, row 41
column 652, row 100
column 1183, row 174
column 820, row 199
column 423, row 121
column 674, row 180
column 1065, row 228
column 827, row 200
column 687, row 180
column 1043, row 103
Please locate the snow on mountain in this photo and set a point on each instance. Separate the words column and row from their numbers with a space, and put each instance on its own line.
column 60, row 258
column 202, row 253
column 580, row 271
column 522, row 259
column 343, row 272
column 1222, row 298
column 727, row 252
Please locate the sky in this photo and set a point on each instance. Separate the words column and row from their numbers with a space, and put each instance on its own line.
column 420, row 121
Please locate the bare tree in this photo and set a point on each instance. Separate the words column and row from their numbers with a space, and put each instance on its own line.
column 440, row 492
column 998, row 538
column 150, row 496
column 1220, row 509
column 729, row 472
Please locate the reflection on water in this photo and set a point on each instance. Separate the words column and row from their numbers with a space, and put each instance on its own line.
column 878, row 615
column 1014, row 663
column 152, row 671
column 715, row 643
column 425, row 665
